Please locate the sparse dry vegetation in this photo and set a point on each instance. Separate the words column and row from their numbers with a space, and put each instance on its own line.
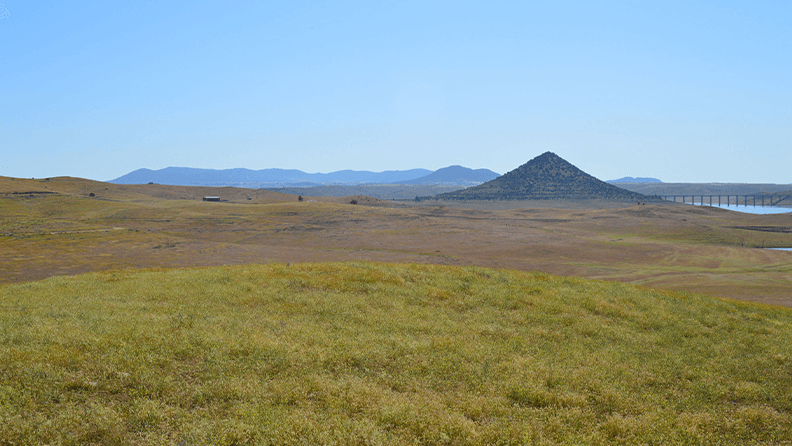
column 55, row 228
column 383, row 353
column 361, row 353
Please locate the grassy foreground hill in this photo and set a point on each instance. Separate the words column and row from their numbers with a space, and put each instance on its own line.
column 365, row 353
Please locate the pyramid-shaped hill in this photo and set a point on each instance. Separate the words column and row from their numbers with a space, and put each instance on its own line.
column 546, row 177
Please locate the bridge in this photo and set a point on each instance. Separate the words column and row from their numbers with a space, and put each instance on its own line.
column 763, row 199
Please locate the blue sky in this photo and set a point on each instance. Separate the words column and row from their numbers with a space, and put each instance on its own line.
column 685, row 91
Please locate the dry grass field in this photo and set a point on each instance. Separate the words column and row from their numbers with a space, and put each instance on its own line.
column 54, row 227
column 142, row 315
column 385, row 354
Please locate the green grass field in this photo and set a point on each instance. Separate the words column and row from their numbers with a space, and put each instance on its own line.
column 363, row 353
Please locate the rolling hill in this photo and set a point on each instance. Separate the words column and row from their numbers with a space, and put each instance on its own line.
column 362, row 353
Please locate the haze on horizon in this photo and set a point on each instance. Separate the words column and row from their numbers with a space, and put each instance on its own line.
column 680, row 91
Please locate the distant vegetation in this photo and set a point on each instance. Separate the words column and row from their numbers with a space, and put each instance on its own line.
column 361, row 353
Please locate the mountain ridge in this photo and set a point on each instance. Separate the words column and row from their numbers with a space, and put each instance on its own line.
column 275, row 177
column 457, row 175
column 188, row 176
column 635, row 180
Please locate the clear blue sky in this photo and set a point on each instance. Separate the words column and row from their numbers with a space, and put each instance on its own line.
column 685, row 91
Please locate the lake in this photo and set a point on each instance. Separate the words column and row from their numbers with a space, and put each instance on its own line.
column 752, row 209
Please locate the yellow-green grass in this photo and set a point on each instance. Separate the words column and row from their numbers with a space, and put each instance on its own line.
column 362, row 353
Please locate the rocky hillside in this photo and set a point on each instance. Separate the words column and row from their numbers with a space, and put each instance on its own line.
column 546, row 177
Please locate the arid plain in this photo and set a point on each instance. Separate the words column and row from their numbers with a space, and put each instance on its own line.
column 66, row 226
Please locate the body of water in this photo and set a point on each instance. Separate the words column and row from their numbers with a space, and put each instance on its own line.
column 751, row 209
column 781, row 249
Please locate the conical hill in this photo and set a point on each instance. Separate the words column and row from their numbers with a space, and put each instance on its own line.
column 546, row 177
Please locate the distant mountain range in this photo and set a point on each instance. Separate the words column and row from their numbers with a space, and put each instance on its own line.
column 635, row 180
column 546, row 177
column 267, row 178
column 455, row 175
